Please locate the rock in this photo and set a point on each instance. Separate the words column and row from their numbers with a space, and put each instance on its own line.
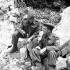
column 6, row 67
column 61, row 63
column 3, row 62
column 23, row 53
column 16, row 68
column 28, row 63
column 1, row 68
column 34, row 68
column 21, row 62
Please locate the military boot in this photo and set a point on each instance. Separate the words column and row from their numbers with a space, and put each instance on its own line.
column 13, row 48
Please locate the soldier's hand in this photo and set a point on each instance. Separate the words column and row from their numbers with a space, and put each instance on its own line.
column 21, row 31
column 31, row 37
column 42, row 50
column 37, row 47
column 40, row 35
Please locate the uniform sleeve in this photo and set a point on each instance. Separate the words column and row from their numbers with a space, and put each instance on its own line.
column 57, row 42
column 20, row 29
column 18, row 26
column 54, row 43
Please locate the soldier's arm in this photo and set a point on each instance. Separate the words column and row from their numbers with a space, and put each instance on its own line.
column 30, row 38
column 20, row 29
column 56, row 45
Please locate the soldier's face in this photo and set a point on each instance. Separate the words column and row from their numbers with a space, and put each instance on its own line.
column 25, row 22
column 45, row 29
column 25, row 19
column 31, row 20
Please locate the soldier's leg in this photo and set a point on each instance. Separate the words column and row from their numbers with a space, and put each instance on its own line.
column 52, row 56
column 32, row 44
column 36, row 59
column 35, row 56
column 29, row 46
column 15, row 38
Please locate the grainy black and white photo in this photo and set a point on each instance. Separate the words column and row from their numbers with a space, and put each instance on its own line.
column 34, row 35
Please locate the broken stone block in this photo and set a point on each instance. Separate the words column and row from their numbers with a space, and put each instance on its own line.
column 6, row 67
column 34, row 68
column 61, row 63
column 23, row 53
column 2, row 62
column 28, row 63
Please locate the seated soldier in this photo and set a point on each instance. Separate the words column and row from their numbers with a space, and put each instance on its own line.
column 47, row 47
column 26, row 29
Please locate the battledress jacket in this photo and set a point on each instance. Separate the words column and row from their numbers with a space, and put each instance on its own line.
column 52, row 42
column 29, row 30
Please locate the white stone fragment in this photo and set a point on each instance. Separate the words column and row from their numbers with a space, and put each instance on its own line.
column 63, row 30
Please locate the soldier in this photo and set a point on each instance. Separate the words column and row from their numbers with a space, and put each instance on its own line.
column 48, row 47
column 26, row 29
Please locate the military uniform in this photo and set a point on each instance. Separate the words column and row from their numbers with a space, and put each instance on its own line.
column 27, row 27
column 51, row 42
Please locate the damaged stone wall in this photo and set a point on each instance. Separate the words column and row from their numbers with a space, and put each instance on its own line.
column 63, row 29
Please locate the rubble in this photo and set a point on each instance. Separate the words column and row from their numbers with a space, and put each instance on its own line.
column 61, row 63
column 16, row 61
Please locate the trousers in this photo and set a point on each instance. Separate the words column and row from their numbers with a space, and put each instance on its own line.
column 36, row 56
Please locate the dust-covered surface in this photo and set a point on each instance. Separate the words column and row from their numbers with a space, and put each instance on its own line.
column 14, row 61
column 63, row 29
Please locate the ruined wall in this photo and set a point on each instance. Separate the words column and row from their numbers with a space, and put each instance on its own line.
column 63, row 29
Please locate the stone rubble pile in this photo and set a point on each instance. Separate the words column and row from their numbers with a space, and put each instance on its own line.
column 6, row 31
